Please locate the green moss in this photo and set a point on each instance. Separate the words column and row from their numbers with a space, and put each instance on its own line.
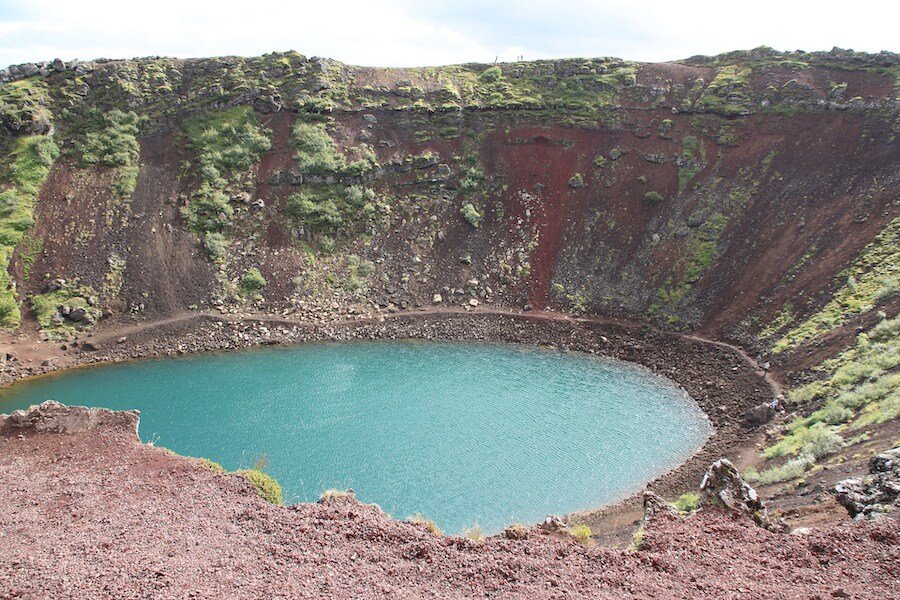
column 576, row 181
column 472, row 215
column 688, row 502
column 581, row 532
column 872, row 277
column 265, row 485
column 22, row 173
column 211, row 465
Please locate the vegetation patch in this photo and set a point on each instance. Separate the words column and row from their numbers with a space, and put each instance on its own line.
column 688, row 503
column 63, row 312
column 581, row 532
column 471, row 214
column 22, row 172
column 265, row 485
column 25, row 105
column 115, row 145
column 653, row 197
column 252, row 281
column 693, row 155
column 861, row 388
column 729, row 93
column 227, row 144
column 871, row 278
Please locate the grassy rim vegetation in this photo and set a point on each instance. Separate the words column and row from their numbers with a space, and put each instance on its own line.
column 24, row 169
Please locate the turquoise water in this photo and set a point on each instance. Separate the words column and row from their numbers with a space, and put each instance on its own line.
column 462, row 433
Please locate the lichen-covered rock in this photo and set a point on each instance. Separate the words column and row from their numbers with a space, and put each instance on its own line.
column 723, row 486
column 877, row 493
column 53, row 417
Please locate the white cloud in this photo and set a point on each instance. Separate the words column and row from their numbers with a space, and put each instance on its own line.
column 405, row 33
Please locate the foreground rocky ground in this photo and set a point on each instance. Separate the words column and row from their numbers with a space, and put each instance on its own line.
column 90, row 512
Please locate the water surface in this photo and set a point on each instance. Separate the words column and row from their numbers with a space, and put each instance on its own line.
column 463, row 433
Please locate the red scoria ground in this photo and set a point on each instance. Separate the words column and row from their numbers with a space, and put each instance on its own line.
column 97, row 514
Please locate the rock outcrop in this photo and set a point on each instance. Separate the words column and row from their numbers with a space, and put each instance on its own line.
column 723, row 486
column 53, row 417
column 876, row 494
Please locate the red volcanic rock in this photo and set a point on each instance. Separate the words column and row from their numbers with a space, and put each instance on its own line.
column 94, row 513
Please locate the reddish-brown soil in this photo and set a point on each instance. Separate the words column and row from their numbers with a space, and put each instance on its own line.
column 97, row 514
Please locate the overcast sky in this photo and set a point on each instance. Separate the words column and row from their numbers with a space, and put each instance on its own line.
column 423, row 32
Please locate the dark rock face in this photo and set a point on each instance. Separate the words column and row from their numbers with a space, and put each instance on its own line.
column 876, row 494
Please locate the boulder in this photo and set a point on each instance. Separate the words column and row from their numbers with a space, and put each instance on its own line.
column 758, row 415
column 722, row 486
column 875, row 494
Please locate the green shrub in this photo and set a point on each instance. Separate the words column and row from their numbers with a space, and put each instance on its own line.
column 9, row 312
column 209, row 210
column 491, row 74
column 581, row 532
column 265, row 485
column 316, row 151
column 216, row 245
column 688, row 502
column 227, row 143
column 870, row 279
column 471, row 214
column 472, row 179
column 814, row 441
column 653, row 197
column 252, row 281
